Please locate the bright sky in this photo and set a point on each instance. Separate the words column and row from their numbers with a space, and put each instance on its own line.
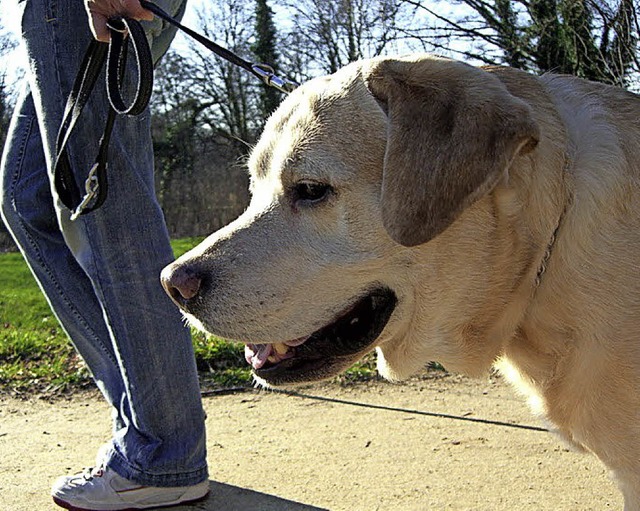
column 10, row 13
column 9, row 19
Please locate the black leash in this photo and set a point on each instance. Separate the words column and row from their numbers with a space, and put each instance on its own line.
column 262, row 71
column 115, row 53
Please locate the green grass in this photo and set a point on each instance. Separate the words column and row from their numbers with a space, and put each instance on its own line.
column 36, row 356
column 34, row 351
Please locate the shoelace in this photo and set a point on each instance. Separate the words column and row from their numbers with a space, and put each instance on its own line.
column 91, row 473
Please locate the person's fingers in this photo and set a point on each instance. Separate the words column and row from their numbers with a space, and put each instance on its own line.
column 98, row 25
column 100, row 11
column 133, row 9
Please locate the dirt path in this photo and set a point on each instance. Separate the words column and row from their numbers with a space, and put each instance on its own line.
column 367, row 447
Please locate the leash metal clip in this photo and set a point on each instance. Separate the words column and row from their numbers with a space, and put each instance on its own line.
column 268, row 76
column 91, row 186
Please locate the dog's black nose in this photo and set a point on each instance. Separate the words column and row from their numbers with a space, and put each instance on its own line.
column 181, row 283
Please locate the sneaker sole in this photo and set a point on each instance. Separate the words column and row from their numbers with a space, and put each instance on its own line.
column 71, row 507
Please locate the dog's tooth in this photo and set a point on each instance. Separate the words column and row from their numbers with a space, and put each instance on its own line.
column 280, row 348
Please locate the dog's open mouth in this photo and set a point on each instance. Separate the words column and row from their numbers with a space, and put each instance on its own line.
column 327, row 351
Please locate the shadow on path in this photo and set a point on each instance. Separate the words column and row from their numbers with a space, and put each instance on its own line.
column 233, row 498
column 410, row 411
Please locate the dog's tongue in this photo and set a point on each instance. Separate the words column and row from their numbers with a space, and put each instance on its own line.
column 256, row 355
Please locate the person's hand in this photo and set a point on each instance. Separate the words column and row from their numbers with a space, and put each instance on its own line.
column 99, row 11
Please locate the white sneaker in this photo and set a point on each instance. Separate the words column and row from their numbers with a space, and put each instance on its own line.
column 102, row 489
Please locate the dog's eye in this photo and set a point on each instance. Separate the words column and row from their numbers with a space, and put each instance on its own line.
column 311, row 191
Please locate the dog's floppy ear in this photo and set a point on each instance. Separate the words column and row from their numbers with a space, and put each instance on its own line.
column 452, row 132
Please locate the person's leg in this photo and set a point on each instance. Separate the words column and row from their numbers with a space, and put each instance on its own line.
column 139, row 350
column 27, row 209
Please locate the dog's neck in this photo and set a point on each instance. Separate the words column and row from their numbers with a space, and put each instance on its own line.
column 542, row 267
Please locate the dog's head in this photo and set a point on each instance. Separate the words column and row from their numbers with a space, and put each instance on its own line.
column 358, row 183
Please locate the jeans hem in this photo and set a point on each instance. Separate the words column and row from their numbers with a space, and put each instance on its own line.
column 190, row 478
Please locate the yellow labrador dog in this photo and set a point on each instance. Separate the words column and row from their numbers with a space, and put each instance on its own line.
column 439, row 211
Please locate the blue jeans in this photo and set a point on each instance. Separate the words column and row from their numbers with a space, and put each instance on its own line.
column 100, row 273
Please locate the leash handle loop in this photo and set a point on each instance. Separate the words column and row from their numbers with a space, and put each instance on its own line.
column 115, row 53
column 116, row 63
column 64, row 179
